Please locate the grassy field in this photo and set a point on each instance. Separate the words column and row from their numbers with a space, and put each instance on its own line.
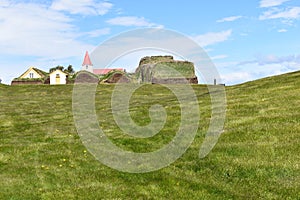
column 257, row 156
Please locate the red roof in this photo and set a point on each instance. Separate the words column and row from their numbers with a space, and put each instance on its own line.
column 87, row 60
column 105, row 71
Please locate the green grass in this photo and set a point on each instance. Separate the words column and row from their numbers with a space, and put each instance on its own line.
column 257, row 157
column 163, row 67
column 181, row 69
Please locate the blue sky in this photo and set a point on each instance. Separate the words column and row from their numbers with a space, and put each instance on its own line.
column 246, row 40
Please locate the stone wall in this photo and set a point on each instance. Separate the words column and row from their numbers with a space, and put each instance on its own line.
column 175, row 81
column 27, row 82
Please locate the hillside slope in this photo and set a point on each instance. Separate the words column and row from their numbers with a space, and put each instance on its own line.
column 42, row 157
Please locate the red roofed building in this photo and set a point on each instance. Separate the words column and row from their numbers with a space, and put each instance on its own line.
column 87, row 65
column 106, row 71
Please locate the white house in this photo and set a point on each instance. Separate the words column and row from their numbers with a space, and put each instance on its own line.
column 58, row 77
column 33, row 73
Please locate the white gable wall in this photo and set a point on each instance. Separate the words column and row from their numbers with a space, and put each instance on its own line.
column 88, row 68
column 31, row 73
column 58, row 77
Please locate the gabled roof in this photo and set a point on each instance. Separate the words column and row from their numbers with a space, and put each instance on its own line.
column 87, row 60
column 55, row 71
column 38, row 71
column 106, row 71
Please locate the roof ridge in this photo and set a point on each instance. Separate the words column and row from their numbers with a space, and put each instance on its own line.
column 60, row 71
column 40, row 72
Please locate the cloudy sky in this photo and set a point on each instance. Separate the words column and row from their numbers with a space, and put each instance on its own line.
column 246, row 40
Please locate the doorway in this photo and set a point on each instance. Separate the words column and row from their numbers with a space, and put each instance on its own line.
column 57, row 79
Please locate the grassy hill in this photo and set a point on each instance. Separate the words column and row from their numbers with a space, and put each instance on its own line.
column 42, row 157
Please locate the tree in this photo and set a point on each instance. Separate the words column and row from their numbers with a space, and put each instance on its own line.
column 69, row 70
column 57, row 67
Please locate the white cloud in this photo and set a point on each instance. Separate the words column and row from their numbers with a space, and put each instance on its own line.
column 236, row 77
column 252, row 71
column 229, row 19
column 291, row 13
column 270, row 69
column 273, row 59
column 29, row 29
column 4, row 3
column 282, row 30
column 260, row 67
column 212, row 38
column 32, row 34
column 98, row 32
column 132, row 21
column 271, row 3
column 83, row 7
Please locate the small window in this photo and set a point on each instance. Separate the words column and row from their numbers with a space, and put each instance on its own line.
column 31, row 75
column 86, row 67
column 57, row 76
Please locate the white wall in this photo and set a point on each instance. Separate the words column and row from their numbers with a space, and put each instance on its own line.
column 62, row 75
column 88, row 68
column 35, row 75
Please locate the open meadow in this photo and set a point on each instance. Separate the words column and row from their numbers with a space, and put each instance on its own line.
column 257, row 156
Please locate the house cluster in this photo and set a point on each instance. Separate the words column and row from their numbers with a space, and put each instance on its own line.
column 58, row 77
column 154, row 70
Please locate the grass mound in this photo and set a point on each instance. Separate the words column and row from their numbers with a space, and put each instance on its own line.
column 163, row 68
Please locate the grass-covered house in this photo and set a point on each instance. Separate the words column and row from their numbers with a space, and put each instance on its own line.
column 56, row 76
column 165, row 70
column 31, row 76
